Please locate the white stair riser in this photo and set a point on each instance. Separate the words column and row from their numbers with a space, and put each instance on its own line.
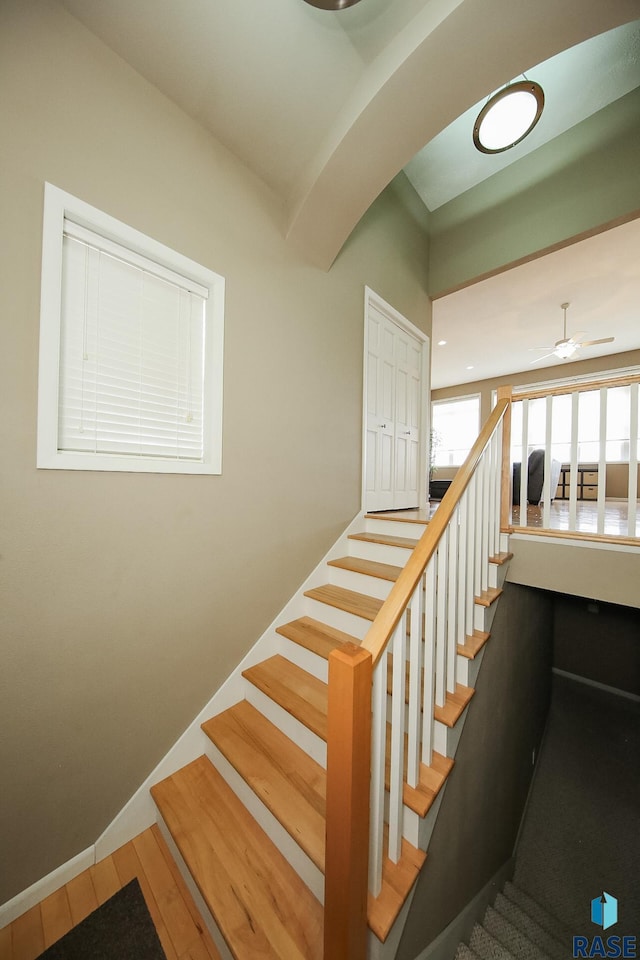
column 500, row 574
column 395, row 528
column 468, row 670
column 360, row 582
column 340, row 619
column 382, row 552
column 428, row 823
column 317, row 666
column 296, row 731
column 286, row 844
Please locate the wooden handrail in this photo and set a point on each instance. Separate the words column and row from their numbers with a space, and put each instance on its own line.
column 580, row 386
column 388, row 618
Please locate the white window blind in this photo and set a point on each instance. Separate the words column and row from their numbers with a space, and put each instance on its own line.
column 132, row 349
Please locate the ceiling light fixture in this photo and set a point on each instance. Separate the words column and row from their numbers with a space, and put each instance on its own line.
column 332, row 4
column 508, row 116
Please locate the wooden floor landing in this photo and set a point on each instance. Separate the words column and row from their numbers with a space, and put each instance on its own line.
column 181, row 929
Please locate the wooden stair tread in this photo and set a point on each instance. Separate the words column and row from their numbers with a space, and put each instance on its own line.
column 397, row 881
column 294, row 689
column 290, row 784
column 260, row 904
column 386, row 539
column 431, row 779
column 500, row 558
column 359, row 604
column 398, row 516
column 315, row 636
column 487, row 597
column 454, row 703
column 370, row 568
column 473, row 644
column 454, row 706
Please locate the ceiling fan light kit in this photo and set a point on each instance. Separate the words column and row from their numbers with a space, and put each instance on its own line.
column 508, row 117
column 566, row 347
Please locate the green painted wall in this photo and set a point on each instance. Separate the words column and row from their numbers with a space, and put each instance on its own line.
column 497, row 223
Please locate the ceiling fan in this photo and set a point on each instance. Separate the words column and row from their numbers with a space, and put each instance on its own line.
column 566, row 348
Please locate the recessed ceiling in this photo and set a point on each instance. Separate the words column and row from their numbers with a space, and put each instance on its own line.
column 305, row 99
column 576, row 83
column 500, row 325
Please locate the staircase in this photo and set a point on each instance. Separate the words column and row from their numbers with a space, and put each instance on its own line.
column 246, row 819
column 516, row 928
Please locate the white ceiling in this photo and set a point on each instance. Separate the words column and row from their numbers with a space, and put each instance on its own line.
column 301, row 95
column 492, row 326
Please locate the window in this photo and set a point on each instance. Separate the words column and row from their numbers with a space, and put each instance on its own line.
column 455, row 426
column 131, row 338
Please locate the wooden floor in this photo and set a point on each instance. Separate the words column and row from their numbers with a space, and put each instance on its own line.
column 181, row 930
column 616, row 513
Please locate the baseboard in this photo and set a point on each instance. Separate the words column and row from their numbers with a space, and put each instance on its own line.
column 459, row 930
column 599, row 686
column 37, row 892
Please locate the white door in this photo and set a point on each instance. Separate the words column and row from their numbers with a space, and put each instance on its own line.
column 394, row 402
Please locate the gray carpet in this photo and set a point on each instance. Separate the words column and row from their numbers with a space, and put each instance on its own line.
column 581, row 833
column 121, row 929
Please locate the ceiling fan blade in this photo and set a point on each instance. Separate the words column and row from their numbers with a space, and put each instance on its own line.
column 591, row 343
column 549, row 346
column 543, row 358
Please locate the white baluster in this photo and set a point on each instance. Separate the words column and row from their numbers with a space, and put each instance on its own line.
column 573, row 482
column 633, row 459
column 452, row 602
column 524, row 466
column 547, row 493
column 415, row 684
column 428, row 683
column 441, row 621
column 465, row 624
column 397, row 738
column 486, row 479
column 602, row 458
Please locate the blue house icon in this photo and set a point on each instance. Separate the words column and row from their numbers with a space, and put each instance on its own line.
column 604, row 910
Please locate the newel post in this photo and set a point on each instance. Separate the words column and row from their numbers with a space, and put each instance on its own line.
column 347, row 810
column 506, row 393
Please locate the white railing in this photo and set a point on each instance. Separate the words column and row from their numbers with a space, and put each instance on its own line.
column 432, row 611
column 384, row 694
column 587, row 431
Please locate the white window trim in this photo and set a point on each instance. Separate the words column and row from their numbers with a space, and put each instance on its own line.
column 59, row 205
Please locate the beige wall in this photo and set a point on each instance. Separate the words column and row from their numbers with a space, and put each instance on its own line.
column 581, row 569
column 127, row 599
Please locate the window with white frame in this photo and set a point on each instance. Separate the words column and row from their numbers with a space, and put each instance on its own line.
column 131, row 340
column 455, row 425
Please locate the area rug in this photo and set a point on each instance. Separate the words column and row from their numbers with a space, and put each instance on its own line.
column 121, row 929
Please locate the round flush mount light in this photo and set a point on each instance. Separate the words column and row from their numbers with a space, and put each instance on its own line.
column 332, row 4
column 508, row 117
